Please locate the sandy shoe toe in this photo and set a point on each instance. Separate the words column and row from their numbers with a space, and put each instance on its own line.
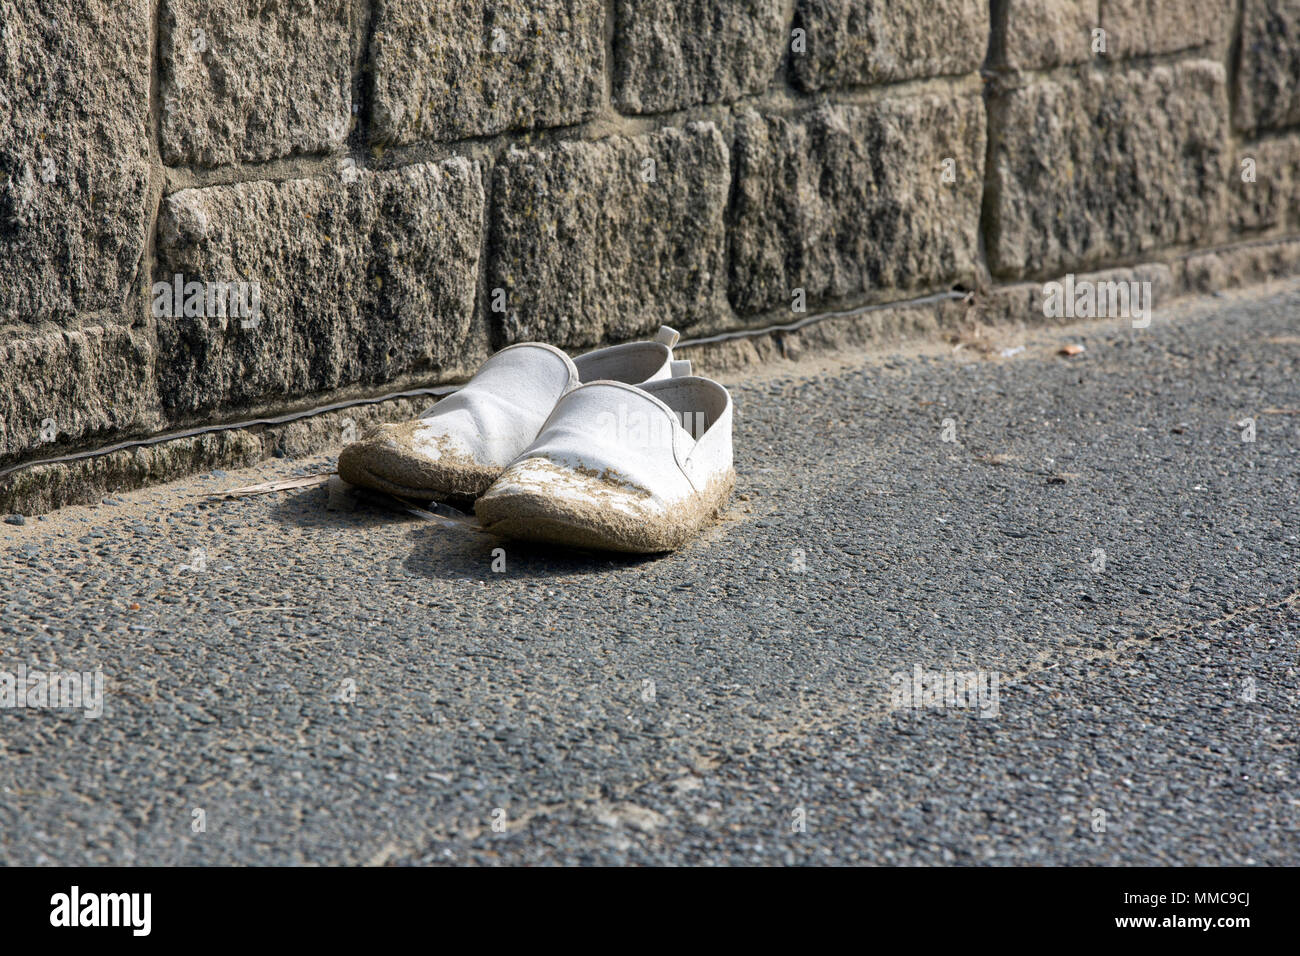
column 620, row 468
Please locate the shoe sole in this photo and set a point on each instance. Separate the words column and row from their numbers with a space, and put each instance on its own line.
column 462, row 487
column 529, row 516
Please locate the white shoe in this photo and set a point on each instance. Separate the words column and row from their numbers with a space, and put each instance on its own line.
column 461, row 444
column 620, row 468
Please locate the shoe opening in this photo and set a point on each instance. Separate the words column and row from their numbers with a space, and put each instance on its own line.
column 697, row 402
column 631, row 364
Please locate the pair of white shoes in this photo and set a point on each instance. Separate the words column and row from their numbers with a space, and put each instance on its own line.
column 620, row 449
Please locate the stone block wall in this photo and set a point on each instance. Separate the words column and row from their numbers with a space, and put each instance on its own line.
column 407, row 185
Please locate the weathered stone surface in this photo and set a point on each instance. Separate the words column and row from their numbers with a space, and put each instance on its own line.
column 873, row 328
column 62, row 389
column 42, row 488
column 1268, row 77
column 1024, row 302
column 845, row 200
column 1135, row 27
column 853, row 42
column 460, row 68
column 38, row 489
column 609, row 240
column 1090, row 167
column 1039, row 34
column 669, row 56
column 249, row 82
column 1239, row 266
column 1273, row 198
column 74, row 146
column 360, row 282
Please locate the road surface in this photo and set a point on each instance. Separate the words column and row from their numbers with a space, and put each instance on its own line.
column 1094, row 532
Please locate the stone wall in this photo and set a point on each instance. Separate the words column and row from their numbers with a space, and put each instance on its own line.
column 408, row 185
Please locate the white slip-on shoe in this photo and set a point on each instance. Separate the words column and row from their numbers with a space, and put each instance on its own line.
column 620, row 468
column 461, row 444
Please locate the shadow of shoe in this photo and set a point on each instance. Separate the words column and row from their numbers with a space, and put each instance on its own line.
column 444, row 541
column 309, row 509
column 450, row 552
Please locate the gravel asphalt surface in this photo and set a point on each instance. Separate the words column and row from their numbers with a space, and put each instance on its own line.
column 362, row 687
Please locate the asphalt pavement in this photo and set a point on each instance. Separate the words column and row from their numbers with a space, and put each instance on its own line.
column 1109, row 543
